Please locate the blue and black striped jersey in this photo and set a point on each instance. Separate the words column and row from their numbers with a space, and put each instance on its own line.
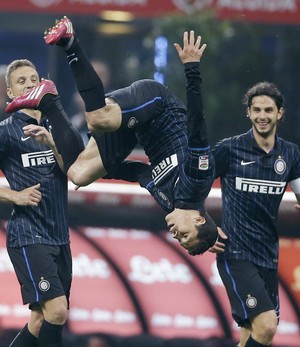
column 182, row 176
column 25, row 162
column 253, row 183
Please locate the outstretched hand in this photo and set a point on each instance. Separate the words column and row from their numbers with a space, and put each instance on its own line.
column 192, row 50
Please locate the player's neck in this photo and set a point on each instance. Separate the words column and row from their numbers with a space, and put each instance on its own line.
column 33, row 113
column 265, row 142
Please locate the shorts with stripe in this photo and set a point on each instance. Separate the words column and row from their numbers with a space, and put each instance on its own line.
column 43, row 271
column 251, row 289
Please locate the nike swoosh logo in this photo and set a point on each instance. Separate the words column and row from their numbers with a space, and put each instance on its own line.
column 72, row 60
column 25, row 138
column 243, row 163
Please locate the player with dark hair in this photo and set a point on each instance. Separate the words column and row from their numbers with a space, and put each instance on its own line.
column 37, row 232
column 181, row 169
column 255, row 169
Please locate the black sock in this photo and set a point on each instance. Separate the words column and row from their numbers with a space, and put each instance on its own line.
column 89, row 84
column 68, row 140
column 50, row 335
column 24, row 339
column 252, row 343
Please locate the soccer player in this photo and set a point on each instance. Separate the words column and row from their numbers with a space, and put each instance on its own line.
column 37, row 232
column 182, row 167
column 255, row 169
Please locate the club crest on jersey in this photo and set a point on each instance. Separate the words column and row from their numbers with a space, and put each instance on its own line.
column 164, row 197
column 251, row 302
column 44, row 285
column 280, row 166
column 132, row 122
column 203, row 162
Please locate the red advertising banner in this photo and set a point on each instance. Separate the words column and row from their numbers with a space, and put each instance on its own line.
column 265, row 11
column 173, row 299
column 142, row 8
column 99, row 299
column 13, row 314
column 289, row 265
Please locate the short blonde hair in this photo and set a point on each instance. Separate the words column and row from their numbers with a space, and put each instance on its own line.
column 15, row 65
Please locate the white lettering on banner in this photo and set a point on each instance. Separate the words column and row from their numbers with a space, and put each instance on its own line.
column 258, row 5
column 183, row 321
column 111, row 2
column 143, row 270
column 108, row 199
column 99, row 315
column 215, row 278
column 16, row 310
column 192, row 6
column 259, row 186
column 113, row 233
column 38, row 158
column 45, row 3
column 5, row 263
column 288, row 327
column 83, row 266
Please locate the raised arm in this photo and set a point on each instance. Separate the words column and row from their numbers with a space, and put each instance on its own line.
column 192, row 51
column 190, row 55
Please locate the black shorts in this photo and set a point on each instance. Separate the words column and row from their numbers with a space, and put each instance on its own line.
column 115, row 147
column 251, row 289
column 44, row 272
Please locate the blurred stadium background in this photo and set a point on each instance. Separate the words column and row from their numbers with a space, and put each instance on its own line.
column 133, row 285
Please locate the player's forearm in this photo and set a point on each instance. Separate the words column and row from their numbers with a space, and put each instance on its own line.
column 7, row 195
column 196, row 124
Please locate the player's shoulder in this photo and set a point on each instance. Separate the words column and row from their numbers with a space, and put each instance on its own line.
column 286, row 142
column 232, row 139
column 5, row 125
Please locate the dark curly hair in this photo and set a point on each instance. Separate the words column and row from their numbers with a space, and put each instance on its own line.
column 264, row 88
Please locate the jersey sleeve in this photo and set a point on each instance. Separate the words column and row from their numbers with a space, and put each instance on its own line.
column 3, row 143
column 221, row 156
column 196, row 123
column 295, row 173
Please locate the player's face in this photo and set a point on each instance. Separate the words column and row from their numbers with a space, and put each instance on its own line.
column 22, row 80
column 264, row 115
column 182, row 224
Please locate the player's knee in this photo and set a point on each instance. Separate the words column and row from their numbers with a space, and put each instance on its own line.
column 265, row 330
column 58, row 314
column 56, row 310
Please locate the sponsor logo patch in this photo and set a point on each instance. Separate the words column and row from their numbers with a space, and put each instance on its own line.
column 243, row 163
column 203, row 162
column 164, row 167
column 259, row 186
column 38, row 158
